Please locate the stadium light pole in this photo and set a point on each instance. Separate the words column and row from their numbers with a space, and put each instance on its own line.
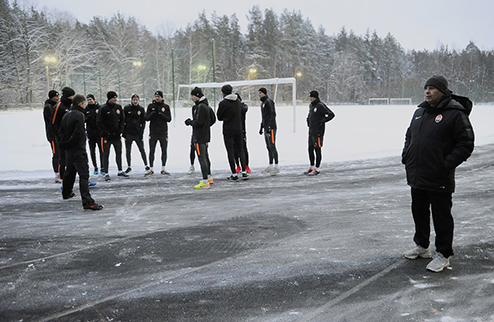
column 299, row 75
column 138, row 63
column 49, row 59
column 200, row 68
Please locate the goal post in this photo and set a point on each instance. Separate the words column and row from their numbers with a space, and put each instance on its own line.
column 270, row 81
column 400, row 101
column 378, row 101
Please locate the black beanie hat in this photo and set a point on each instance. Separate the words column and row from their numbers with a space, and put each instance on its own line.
column 227, row 89
column 134, row 95
column 197, row 92
column 314, row 94
column 91, row 96
column 52, row 94
column 263, row 90
column 439, row 82
column 67, row 92
column 111, row 94
column 159, row 93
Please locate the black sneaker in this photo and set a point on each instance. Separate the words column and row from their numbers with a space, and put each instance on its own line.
column 128, row 170
column 123, row 174
column 165, row 173
column 245, row 176
column 92, row 206
column 107, row 178
column 71, row 195
column 233, row 177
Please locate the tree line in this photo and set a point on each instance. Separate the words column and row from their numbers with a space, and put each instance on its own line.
column 117, row 53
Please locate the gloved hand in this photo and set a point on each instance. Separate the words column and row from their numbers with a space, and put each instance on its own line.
column 188, row 122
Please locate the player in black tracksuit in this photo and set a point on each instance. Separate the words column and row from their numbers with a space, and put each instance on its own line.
column 73, row 141
column 319, row 114
column 135, row 123
column 201, row 123
column 93, row 132
column 111, row 123
column 230, row 112
column 439, row 138
column 243, row 114
column 158, row 114
column 50, row 104
column 56, row 119
column 269, row 128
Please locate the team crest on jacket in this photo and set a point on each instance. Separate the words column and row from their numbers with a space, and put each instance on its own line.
column 439, row 118
column 315, row 109
column 118, row 111
column 162, row 109
column 138, row 112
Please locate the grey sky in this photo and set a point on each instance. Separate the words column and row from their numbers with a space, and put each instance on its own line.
column 417, row 24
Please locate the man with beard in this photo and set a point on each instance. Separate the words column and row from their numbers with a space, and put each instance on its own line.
column 111, row 122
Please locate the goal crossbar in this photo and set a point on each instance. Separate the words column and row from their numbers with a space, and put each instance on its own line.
column 269, row 81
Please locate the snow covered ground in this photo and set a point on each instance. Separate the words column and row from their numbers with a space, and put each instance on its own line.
column 357, row 132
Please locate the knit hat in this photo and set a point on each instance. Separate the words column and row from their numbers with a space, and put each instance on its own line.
column 263, row 90
column 134, row 95
column 90, row 96
column 227, row 89
column 159, row 93
column 67, row 92
column 314, row 94
column 111, row 94
column 52, row 94
column 439, row 82
column 197, row 92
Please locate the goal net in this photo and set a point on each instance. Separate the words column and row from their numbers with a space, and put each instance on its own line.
column 400, row 101
column 378, row 101
column 235, row 84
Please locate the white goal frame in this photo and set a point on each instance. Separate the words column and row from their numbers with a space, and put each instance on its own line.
column 269, row 81
column 400, row 101
column 377, row 99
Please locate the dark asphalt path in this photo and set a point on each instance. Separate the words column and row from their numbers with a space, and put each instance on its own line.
column 284, row 248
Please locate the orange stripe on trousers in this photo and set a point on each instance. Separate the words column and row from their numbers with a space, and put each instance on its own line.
column 272, row 136
column 198, row 151
column 53, row 147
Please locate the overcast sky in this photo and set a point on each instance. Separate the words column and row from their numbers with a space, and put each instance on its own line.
column 416, row 24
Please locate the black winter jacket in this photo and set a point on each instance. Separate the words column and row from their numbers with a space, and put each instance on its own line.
column 47, row 114
column 92, row 129
column 111, row 120
column 158, row 114
column 202, row 120
column 230, row 112
column 319, row 114
column 135, row 120
column 72, row 132
column 58, row 112
column 268, row 113
column 438, row 140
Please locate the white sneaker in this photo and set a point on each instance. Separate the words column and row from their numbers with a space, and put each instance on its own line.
column 275, row 171
column 418, row 251
column 268, row 169
column 192, row 169
column 438, row 263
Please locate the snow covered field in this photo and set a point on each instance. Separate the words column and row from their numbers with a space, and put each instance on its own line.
column 357, row 132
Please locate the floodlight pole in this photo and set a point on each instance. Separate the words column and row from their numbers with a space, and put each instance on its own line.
column 214, row 72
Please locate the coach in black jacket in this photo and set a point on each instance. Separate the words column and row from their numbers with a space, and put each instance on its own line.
column 73, row 141
column 50, row 104
column 135, row 123
column 93, row 132
column 439, row 139
column 158, row 114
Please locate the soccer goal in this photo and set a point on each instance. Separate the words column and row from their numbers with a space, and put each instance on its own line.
column 255, row 82
column 378, row 101
column 400, row 101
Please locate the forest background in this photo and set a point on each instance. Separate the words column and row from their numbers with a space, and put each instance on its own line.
column 119, row 54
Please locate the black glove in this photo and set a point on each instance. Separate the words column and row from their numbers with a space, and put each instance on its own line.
column 188, row 122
